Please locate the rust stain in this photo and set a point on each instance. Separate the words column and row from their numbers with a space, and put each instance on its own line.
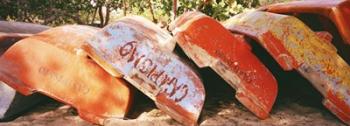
column 143, row 55
column 336, row 10
column 209, row 44
column 315, row 58
column 60, row 72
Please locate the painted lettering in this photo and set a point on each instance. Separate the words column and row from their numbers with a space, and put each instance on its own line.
column 150, row 69
column 184, row 90
column 127, row 49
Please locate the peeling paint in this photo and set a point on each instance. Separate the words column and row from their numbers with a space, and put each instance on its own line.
column 335, row 10
column 209, row 44
column 313, row 57
column 50, row 63
column 149, row 65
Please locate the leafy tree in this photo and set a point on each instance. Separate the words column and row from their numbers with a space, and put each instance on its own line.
column 98, row 12
column 52, row 12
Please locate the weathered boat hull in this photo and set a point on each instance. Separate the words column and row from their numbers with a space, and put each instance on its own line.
column 140, row 52
column 209, row 44
column 335, row 10
column 52, row 63
column 12, row 103
column 296, row 47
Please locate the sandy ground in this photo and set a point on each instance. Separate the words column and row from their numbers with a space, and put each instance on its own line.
column 220, row 112
column 221, row 108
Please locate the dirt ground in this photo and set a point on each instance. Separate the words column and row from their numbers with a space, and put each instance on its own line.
column 221, row 109
column 222, row 112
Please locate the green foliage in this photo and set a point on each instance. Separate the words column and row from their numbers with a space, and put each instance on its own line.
column 53, row 12
column 57, row 12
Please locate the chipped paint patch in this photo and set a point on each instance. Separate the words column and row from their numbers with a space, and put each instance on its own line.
column 336, row 10
column 314, row 57
column 209, row 44
column 158, row 73
column 61, row 72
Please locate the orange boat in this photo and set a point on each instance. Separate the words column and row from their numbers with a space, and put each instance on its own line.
column 136, row 49
column 296, row 47
column 209, row 44
column 53, row 64
column 12, row 103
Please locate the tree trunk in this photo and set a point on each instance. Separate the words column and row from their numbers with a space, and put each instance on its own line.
column 94, row 15
column 203, row 4
column 151, row 9
column 174, row 9
column 100, row 13
column 125, row 7
column 107, row 15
